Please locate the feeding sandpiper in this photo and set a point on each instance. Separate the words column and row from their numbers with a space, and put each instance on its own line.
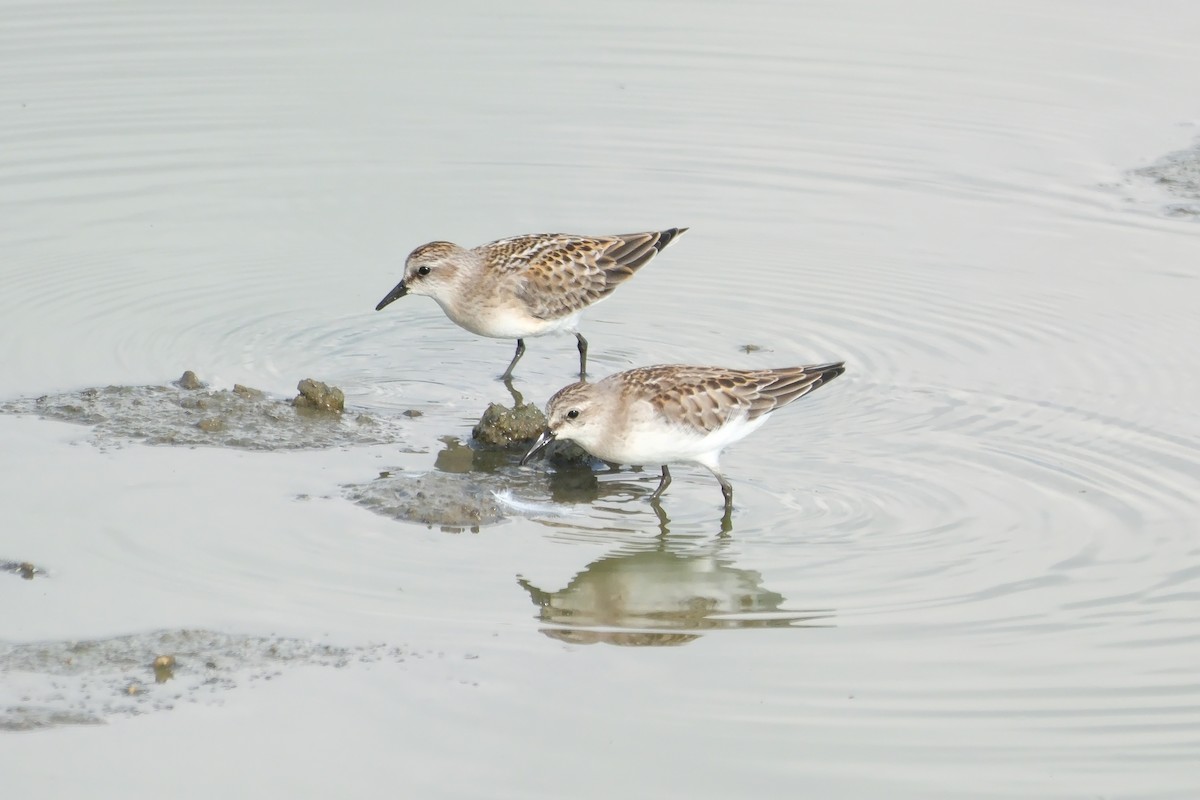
column 656, row 415
column 527, row 285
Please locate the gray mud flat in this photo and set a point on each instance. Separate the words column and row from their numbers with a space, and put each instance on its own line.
column 24, row 569
column 86, row 682
column 1178, row 174
column 460, row 493
column 241, row 418
column 452, row 501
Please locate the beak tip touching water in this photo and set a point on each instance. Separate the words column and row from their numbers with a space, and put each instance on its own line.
column 393, row 296
column 538, row 446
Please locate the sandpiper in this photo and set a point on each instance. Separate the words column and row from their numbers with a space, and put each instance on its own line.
column 527, row 285
column 657, row 415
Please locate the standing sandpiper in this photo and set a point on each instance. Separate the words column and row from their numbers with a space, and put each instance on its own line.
column 527, row 285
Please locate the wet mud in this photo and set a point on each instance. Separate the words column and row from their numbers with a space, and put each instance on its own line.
column 451, row 501
column 49, row 684
column 465, row 490
column 458, row 494
column 186, row 413
column 1177, row 174
column 23, row 569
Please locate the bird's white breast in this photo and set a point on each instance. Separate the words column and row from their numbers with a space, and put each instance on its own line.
column 648, row 438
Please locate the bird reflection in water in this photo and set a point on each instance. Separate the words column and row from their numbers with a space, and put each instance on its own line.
column 661, row 597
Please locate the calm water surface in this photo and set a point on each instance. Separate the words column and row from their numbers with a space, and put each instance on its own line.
column 968, row 568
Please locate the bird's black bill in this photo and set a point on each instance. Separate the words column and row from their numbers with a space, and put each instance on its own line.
column 393, row 295
column 542, row 441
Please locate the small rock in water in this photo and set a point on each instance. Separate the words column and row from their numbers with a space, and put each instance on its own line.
column 164, row 669
column 247, row 392
column 189, row 381
column 23, row 568
column 314, row 394
column 501, row 426
column 211, row 424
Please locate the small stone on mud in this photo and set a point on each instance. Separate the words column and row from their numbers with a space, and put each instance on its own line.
column 314, row 394
column 164, row 669
column 501, row 426
column 23, row 568
column 247, row 392
column 189, row 381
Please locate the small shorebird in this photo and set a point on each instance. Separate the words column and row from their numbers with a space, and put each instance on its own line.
column 527, row 285
column 656, row 415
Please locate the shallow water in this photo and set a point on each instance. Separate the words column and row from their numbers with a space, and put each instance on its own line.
column 968, row 567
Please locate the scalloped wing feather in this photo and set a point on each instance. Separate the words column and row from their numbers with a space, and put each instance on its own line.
column 557, row 275
column 706, row 398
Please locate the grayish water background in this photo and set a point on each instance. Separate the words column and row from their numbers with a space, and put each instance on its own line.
column 967, row 568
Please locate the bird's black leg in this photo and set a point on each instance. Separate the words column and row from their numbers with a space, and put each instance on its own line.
column 516, row 357
column 727, row 490
column 662, row 484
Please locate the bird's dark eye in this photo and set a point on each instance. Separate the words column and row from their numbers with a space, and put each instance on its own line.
column 422, row 270
column 573, row 413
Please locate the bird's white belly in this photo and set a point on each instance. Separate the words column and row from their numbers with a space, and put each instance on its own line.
column 505, row 320
column 651, row 443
